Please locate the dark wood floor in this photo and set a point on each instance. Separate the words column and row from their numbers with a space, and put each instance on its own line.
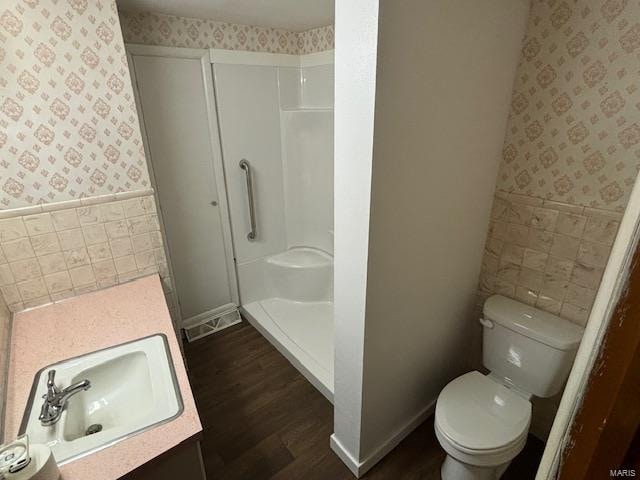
column 263, row 420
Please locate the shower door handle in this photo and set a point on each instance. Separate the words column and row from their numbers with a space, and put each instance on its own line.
column 244, row 165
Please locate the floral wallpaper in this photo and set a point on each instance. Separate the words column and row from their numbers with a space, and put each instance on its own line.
column 574, row 129
column 68, row 122
column 316, row 40
column 571, row 155
column 570, row 159
column 167, row 30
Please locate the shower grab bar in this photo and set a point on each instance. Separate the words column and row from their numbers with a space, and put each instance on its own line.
column 244, row 165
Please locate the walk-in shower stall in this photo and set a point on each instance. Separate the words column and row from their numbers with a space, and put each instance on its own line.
column 278, row 122
column 257, row 146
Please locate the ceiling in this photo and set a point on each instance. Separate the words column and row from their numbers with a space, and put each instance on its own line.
column 294, row 15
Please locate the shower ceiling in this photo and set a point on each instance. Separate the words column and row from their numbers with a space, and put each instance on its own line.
column 294, row 15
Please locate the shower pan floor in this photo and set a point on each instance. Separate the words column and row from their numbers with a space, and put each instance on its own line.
column 302, row 332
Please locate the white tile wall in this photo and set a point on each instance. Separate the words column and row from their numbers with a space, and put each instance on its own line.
column 55, row 254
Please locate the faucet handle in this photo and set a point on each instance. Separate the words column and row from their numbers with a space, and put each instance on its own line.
column 51, row 378
column 52, row 390
column 44, row 411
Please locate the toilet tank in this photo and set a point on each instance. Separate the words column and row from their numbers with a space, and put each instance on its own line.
column 528, row 348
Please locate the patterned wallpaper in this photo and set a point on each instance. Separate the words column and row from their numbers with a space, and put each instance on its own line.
column 171, row 31
column 68, row 122
column 571, row 155
column 316, row 40
column 574, row 129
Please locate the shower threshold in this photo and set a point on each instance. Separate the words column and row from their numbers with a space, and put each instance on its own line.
column 302, row 332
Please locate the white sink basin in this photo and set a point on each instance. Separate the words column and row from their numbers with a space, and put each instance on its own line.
column 133, row 388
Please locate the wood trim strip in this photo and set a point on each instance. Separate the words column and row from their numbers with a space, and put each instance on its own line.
column 609, row 416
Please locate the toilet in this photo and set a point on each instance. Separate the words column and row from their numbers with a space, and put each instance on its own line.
column 482, row 421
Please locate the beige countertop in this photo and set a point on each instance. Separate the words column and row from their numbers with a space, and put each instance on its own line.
column 83, row 324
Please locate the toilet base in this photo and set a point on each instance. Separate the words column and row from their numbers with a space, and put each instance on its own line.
column 453, row 469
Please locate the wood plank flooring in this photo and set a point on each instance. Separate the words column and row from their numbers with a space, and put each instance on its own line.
column 263, row 420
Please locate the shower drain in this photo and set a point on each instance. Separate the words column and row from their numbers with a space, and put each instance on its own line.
column 95, row 428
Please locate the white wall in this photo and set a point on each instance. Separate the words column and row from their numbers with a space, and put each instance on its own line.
column 307, row 157
column 290, row 87
column 317, row 86
column 263, row 117
column 249, row 119
column 355, row 74
column 306, row 119
column 444, row 79
column 309, row 86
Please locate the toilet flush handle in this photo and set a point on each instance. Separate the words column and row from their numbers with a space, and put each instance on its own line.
column 485, row 323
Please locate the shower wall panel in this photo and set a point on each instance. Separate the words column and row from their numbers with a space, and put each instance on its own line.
column 249, row 117
column 308, row 178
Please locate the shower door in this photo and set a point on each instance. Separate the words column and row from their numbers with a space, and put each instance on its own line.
column 175, row 96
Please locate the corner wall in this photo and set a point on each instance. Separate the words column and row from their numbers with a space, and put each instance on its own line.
column 73, row 169
column 441, row 110
column 355, row 90
column 570, row 159
column 444, row 76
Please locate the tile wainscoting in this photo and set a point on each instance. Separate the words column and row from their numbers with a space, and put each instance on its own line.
column 547, row 254
column 54, row 251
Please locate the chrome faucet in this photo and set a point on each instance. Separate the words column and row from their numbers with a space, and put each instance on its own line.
column 56, row 399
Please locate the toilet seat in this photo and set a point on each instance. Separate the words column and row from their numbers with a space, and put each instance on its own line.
column 480, row 421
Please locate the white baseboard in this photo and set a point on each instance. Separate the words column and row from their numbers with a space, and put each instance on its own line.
column 344, row 455
column 360, row 468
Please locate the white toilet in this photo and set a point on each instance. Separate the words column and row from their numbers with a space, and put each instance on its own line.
column 482, row 421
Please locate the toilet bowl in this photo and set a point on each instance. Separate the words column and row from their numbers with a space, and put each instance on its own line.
column 482, row 425
column 482, row 421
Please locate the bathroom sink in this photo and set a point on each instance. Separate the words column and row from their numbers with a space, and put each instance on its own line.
column 133, row 388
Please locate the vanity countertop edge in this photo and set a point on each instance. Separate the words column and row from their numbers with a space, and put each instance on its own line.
column 86, row 323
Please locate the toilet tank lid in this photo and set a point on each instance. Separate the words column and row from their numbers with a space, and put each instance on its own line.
column 533, row 323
